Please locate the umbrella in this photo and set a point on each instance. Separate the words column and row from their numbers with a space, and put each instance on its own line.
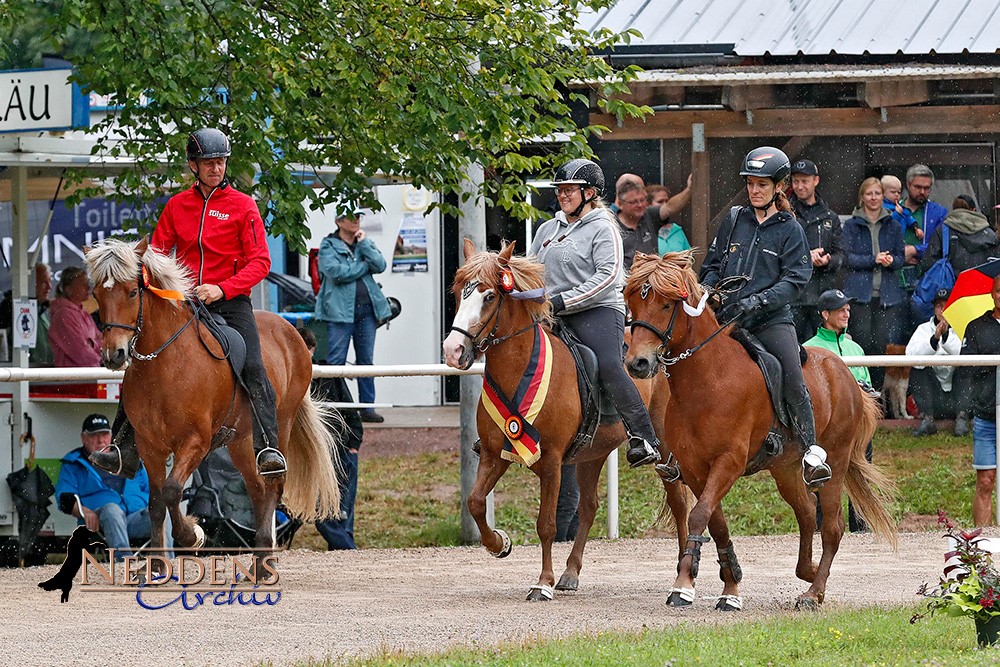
column 31, row 490
column 970, row 297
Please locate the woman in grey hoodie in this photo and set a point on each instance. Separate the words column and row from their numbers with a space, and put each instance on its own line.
column 584, row 274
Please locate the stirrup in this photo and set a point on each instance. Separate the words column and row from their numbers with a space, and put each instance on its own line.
column 101, row 461
column 669, row 471
column 280, row 469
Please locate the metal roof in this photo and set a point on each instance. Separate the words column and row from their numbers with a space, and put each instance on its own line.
column 802, row 74
column 811, row 27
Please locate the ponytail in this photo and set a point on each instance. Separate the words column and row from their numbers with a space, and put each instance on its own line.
column 781, row 201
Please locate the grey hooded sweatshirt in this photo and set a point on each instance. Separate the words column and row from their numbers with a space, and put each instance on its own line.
column 583, row 260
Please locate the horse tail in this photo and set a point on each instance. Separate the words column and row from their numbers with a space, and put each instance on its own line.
column 868, row 487
column 311, row 489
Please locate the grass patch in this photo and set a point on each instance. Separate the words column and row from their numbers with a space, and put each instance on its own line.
column 414, row 501
column 844, row 637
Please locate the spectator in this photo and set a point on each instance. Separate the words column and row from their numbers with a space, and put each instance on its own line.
column 624, row 178
column 932, row 386
column 41, row 354
column 873, row 248
column 982, row 336
column 657, row 195
column 892, row 190
column 644, row 228
column 350, row 301
column 929, row 216
column 339, row 532
column 823, row 235
column 73, row 335
column 971, row 239
column 116, row 507
column 835, row 310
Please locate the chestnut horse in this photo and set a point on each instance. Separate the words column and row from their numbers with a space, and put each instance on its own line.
column 179, row 391
column 720, row 413
column 502, row 326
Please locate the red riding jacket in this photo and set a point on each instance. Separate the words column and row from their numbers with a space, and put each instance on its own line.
column 221, row 240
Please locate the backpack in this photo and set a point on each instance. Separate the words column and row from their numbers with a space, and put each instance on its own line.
column 314, row 275
column 940, row 276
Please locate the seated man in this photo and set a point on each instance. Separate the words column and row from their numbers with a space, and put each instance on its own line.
column 931, row 386
column 114, row 506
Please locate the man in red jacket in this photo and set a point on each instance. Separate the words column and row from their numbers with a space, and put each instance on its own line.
column 219, row 236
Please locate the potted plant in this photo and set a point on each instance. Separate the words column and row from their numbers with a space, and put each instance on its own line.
column 970, row 585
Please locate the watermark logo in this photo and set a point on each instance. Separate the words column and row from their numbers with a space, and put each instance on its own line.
column 158, row 579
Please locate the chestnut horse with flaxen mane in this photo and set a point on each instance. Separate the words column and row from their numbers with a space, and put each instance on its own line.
column 501, row 321
column 720, row 413
column 179, row 392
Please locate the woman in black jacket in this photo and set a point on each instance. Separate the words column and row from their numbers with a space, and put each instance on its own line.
column 764, row 243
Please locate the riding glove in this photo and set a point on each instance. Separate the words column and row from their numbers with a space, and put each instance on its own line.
column 749, row 305
column 557, row 304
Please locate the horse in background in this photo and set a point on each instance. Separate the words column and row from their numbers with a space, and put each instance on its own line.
column 718, row 418
column 490, row 318
column 180, row 392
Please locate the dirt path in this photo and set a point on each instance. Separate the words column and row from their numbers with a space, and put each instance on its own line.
column 358, row 603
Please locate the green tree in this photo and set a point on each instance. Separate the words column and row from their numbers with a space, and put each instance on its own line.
column 415, row 88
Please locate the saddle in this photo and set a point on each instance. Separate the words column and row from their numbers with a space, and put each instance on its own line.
column 596, row 406
column 234, row 349
column 769, row 366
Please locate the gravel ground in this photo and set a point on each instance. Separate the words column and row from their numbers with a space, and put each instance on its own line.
column 344, row 604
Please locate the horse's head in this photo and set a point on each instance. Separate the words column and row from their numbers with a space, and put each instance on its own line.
column 495, row 294
column 657, row 290
column 122, row 272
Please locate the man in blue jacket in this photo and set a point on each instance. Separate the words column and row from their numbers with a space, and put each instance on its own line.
column 116, row 507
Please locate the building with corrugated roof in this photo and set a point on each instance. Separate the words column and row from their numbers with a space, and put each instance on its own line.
column 861, row 87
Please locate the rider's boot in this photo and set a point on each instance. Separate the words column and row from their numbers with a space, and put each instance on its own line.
column 121, row 457
column 641, row 452
column 270, row 461
column 815, row 470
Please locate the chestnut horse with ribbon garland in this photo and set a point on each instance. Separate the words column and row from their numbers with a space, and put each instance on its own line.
column 720, row 413
column 502, row 311
column 179, row 393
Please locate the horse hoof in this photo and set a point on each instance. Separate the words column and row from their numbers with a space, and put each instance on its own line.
column 199, row 537
column 540, row 594
column 568, row 582
column 507, row 546
column 806, row 604
column 680, row 597
column 729, row 603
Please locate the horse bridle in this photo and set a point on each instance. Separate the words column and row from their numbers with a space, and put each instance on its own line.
column 665, row 336
column 137, row 328
column 491, row 338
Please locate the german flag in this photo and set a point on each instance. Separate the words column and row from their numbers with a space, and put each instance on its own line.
column 971, row 295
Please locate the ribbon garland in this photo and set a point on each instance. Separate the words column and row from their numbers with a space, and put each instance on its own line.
column 515, row 417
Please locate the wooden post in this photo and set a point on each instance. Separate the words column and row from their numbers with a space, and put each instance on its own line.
column 700, row 205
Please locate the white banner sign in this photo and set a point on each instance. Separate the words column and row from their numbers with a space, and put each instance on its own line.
column 36, row 100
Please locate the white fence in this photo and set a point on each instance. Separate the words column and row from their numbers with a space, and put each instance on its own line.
column 20, row 375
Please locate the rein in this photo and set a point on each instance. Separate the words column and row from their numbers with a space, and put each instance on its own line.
column 143, row 285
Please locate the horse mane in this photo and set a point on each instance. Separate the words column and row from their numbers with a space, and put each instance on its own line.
column 671, row 276
column 115, row 261
column 529, row 274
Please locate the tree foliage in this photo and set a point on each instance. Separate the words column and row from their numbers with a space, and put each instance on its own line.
column 415, row 88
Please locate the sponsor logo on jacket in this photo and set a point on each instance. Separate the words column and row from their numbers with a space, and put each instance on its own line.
column 217, row 214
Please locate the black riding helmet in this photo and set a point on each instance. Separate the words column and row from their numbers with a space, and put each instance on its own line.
column 584, row 173
column 767, row 162
column 208, row 142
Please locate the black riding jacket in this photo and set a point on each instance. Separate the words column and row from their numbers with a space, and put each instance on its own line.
column 773, row 254
column 982, row 336
column 823, row 230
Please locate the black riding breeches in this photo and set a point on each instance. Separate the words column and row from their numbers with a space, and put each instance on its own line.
column 780, row 340
column 238, row 313
column 602, row 329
